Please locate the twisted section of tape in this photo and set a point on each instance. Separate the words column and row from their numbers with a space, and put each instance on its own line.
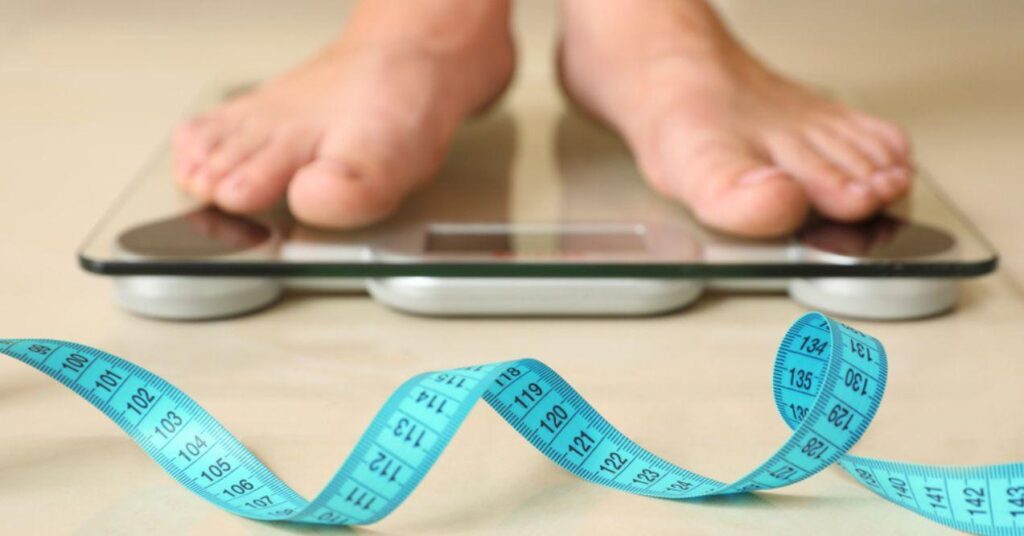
column 828, row 383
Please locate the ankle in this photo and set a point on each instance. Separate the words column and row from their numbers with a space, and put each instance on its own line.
column 464, row 46
column 440, row 27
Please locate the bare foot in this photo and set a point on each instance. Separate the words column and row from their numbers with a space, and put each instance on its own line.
column 749, row 152
column 351, row 132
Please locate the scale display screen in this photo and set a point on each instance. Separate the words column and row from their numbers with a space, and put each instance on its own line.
column 534, row 243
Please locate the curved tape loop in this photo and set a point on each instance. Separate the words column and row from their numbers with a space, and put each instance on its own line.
column 828, row 383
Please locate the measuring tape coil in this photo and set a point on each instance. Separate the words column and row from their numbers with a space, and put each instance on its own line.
column 828, row 382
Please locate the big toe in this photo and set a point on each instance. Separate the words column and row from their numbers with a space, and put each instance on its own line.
column 337, row 194
column 730, row 188
column 761, row 201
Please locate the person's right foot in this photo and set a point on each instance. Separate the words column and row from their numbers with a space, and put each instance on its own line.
column 347, row 135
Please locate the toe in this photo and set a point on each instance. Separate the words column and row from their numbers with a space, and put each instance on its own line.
column 261, row 180
column 332, row 192
column 891, row 136
column 832, row 191
column 194, row 142
column 184, row 143
column 891, row 184
column 362, row 171
column 729, row 187
column 229, row 155
column 888, row 182
column 889, row 152
column 760, row 201
column 196, row 139
column 871, row 145
column 843, row 154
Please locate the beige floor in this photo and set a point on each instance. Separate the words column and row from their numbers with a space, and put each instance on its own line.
column 87, row 90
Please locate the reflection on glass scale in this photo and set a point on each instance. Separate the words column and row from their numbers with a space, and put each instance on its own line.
column 553, row 219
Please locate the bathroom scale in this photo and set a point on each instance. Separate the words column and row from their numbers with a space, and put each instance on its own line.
column 537, row 211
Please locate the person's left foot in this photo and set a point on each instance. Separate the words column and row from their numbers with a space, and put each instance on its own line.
column 748, row 151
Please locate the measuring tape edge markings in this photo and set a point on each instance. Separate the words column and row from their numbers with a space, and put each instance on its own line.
column 418, row 420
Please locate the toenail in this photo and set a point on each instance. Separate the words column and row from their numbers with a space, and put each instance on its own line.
column 232, row 184
column 898, row 177
column 759, row 176
column 202, row 184
column 858, row 188
column 882, row 180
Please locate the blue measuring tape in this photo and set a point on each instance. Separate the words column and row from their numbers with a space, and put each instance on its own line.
column 828, row 382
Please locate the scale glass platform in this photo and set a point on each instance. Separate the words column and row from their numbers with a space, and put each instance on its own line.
column 533, row 206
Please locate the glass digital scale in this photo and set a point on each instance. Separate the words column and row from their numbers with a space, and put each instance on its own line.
column 537, row 211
